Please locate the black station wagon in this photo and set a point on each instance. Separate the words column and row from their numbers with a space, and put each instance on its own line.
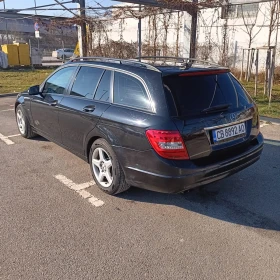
column 161, row 126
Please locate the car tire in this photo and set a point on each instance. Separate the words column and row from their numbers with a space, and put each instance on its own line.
column 23, row 124
column 106, row 169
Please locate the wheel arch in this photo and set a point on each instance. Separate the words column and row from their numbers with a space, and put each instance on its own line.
column 100, row 131
column 89, row 144
column 16, row 105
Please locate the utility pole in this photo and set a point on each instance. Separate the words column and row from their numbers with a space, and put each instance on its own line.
column 38, row 39
column 35, row 5
column 82, row 28
column 7, row 35
column 140, row 34
column 194, row 29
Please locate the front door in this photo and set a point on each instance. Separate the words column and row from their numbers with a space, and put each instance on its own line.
column 45, row 107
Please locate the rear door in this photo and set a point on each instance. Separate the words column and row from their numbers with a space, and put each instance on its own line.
column 213, row 111
column 45, row 107
column 88, row 98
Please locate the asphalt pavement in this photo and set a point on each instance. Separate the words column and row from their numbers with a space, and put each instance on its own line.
column 56, row 224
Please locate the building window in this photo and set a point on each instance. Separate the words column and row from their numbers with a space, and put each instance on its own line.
column 239, row 11
column 229, row 11
column 248, row 10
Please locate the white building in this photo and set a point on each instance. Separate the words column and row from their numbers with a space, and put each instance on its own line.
column 240, row 27
column 220, row 30
column 167, row 33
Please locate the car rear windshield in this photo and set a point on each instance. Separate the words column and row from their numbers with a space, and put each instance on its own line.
column 194, row 94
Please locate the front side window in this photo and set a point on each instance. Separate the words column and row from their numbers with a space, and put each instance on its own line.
column 86, row 82
column 129, row 91
column 59, row 81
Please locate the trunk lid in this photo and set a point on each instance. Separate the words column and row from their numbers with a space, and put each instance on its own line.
column 210, row 105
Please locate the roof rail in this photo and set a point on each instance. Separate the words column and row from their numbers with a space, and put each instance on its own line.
column 131, row 62
column 184, row 61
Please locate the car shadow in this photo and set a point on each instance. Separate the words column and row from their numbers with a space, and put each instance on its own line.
column 39, row 138
column 249, row 198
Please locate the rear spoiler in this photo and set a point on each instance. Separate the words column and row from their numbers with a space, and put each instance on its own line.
column 196, row 72
column 204, row 72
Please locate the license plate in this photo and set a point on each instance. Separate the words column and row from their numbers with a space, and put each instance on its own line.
column 229, row 132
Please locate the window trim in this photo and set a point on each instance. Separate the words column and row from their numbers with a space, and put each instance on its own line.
column 113, row 69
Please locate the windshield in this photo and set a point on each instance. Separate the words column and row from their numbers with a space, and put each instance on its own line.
column 193, row 95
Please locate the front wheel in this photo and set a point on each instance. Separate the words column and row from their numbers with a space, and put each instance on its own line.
column 23, row 124
column 106, row 169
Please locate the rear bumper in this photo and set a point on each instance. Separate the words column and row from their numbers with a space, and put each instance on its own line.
column 171, row 177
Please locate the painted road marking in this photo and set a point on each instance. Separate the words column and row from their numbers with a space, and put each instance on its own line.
column 274, row 143
column 80, row 189
column 16, row 135
column 264, row 124
column 268, row 123
column 7, row 110
column 6, row 139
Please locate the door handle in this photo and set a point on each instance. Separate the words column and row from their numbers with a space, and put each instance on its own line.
column 54, row 103
column 89, row 109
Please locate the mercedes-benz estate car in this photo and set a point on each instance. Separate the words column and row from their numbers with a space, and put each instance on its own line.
column 162, row 127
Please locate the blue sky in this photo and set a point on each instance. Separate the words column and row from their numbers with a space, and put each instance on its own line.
column 19, row 4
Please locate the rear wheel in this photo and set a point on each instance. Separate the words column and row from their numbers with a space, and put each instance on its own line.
column 106, row 169
column 23, row 124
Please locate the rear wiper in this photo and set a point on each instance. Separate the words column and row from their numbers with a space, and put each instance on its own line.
column 217, row 108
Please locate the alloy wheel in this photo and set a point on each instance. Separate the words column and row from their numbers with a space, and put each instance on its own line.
column 102, row 167
column 20, row 122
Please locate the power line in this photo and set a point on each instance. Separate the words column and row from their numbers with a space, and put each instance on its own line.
column 65, row 7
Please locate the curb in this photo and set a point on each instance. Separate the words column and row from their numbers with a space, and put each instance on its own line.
column 9, row 94
column 271, row 120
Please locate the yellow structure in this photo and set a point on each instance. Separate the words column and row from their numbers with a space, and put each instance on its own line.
column 77, row 50
column 18, row 54
column 12, row 53
column 23, row 53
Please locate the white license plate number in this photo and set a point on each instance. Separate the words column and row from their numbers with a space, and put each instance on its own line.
column 228, row 132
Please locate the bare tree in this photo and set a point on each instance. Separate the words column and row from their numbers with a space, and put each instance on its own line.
column 166, row 26
column 178, row 26
column 250, row 27
column 272, row 14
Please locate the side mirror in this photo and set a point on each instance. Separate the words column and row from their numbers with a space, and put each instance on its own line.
column 34, row 90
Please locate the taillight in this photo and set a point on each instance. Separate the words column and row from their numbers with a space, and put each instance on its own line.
column 168, row 144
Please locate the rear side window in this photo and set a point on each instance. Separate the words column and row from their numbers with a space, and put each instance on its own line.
column 86, row 82
column 193, row 94
column 243, row 97
column 129, row 91
column 103, row 90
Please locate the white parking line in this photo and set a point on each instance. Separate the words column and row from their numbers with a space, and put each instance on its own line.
column 263, row 124
column 274, row 143
column 7, row 110
column 6, row 139
column 80, row 189
column 16, row 135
